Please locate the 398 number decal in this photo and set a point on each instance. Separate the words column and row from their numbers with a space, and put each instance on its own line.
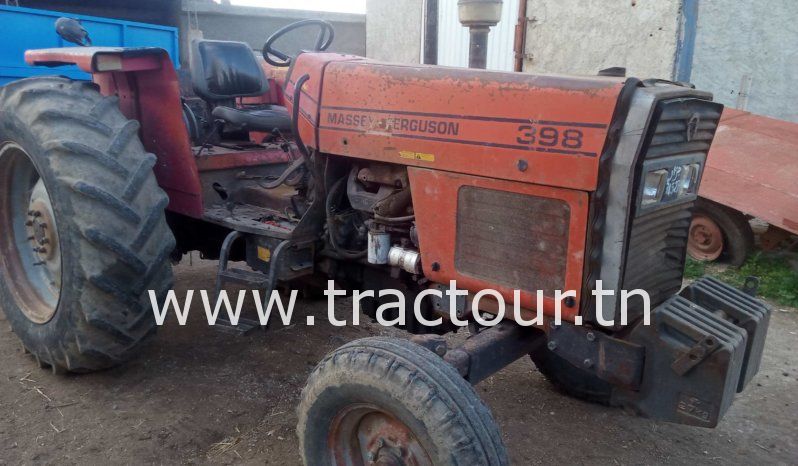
column 549, row 136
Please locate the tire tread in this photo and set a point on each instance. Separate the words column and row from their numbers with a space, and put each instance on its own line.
column 452, row 406
column 96, row 158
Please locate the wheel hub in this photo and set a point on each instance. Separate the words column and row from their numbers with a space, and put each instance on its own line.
column 388, row 453
column 30, row 261
column 705, row 241
column 43, row 235
column 375, row 437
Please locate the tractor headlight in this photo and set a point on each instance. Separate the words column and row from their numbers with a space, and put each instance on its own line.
column 665, row 185
column 654, row 186
column 689, row 178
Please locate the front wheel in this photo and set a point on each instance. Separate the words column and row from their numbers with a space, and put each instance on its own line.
column 83, row 236
column 388, row 401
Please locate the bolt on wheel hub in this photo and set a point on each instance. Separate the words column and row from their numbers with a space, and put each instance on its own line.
column 42, row 233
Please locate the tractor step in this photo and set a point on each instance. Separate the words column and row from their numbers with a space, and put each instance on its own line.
column 255, row 280
column 277, row 260
column 244, row 326
column 250, row 279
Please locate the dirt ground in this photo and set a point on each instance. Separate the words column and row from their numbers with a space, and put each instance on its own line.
column 197, row 395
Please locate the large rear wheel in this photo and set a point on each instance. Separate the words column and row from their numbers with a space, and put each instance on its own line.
column 390, row 402
column 82, row 230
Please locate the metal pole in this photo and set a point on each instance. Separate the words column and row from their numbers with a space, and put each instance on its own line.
column 520, row 37
column 478, row 49
column 479, row 16
column 431, row 33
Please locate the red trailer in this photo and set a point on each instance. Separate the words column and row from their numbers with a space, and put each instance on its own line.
column 751, row 170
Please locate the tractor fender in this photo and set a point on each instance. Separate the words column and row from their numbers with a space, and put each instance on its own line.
column 146, row 83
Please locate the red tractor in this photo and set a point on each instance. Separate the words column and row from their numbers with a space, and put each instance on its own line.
column 324, row 166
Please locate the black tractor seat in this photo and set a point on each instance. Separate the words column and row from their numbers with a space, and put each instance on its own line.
column 257, row 118
column 223, row 71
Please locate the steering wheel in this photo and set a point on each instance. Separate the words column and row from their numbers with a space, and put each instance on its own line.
column 323, row 41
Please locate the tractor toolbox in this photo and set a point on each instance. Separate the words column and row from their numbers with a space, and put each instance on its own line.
column 702, row 347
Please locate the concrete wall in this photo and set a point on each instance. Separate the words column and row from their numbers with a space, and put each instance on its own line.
column 394, row 30
column 754, row 41
column 741, row 46
column 563, row 36
column 585, row 36
column 254, row 25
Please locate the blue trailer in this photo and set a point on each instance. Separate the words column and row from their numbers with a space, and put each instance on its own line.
column 27, row 28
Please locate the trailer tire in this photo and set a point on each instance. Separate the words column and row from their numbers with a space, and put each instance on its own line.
column 571, row 380
column 394, row 385
column 112, row 241
column 737, row 237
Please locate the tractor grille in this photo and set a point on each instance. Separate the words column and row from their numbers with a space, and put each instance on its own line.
column 512, row 239
column 657, row 242
column 656, row 255
column 675, row 119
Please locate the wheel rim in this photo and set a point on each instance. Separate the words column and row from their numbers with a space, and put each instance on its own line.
column 365, row 434
column 706, row 239
column 29, row 243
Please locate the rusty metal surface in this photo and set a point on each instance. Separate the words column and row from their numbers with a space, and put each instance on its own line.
column 536, row 129
column 364, row 430
column 516, row 240
column 435, row 196
column 313, row 65
column 488, row 351
column 133, row 59
column 519, row 42
column 773, row 237
column 251, row 219
column 753, row 167
column 153, row 98
column 219, row 158
column 148, row 90
column 705, row 238
column 616, row 361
